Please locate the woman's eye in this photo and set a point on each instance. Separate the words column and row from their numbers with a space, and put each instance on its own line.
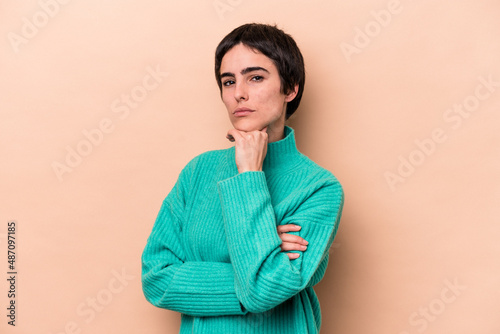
column 257, row 78
column 228, row 82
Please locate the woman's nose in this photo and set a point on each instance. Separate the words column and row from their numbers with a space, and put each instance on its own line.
column 240, row 92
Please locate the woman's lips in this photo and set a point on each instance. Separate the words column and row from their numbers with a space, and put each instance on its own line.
column 242, row 112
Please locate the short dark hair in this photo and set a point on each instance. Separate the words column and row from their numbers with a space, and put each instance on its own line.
column 276, row 45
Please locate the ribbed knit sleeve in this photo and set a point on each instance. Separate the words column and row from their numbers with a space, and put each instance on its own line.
column 265, row 276
column 169, row 281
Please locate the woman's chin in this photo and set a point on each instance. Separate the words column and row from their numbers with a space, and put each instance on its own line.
column 248, row 126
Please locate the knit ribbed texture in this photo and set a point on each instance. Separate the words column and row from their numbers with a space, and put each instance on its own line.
column 214, row 252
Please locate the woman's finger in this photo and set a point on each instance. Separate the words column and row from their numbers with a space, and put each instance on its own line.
column 291, row 238
column 288, row 228
column 288, row 246
column 234, row 135
column 293, row 256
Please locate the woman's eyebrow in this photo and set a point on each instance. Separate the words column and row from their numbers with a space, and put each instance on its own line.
column 244, row 71
column 254, row 68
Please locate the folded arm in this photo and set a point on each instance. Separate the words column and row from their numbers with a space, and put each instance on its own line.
column 264, row 276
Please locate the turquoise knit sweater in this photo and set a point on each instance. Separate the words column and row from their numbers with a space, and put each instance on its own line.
column 214, row 252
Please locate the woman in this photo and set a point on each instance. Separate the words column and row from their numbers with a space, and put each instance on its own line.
column 228, row 248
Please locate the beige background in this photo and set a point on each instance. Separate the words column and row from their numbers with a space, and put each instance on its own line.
column 381, row 76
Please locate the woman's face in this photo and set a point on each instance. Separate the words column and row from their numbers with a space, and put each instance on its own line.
column 251, row 90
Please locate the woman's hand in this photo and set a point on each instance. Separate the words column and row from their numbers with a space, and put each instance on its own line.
column 250, row 148
column 291, row 241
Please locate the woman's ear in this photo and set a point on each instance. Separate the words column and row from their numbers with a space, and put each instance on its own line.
column 290, row 96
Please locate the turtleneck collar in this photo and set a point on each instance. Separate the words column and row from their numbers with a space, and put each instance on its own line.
column 281, row 153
